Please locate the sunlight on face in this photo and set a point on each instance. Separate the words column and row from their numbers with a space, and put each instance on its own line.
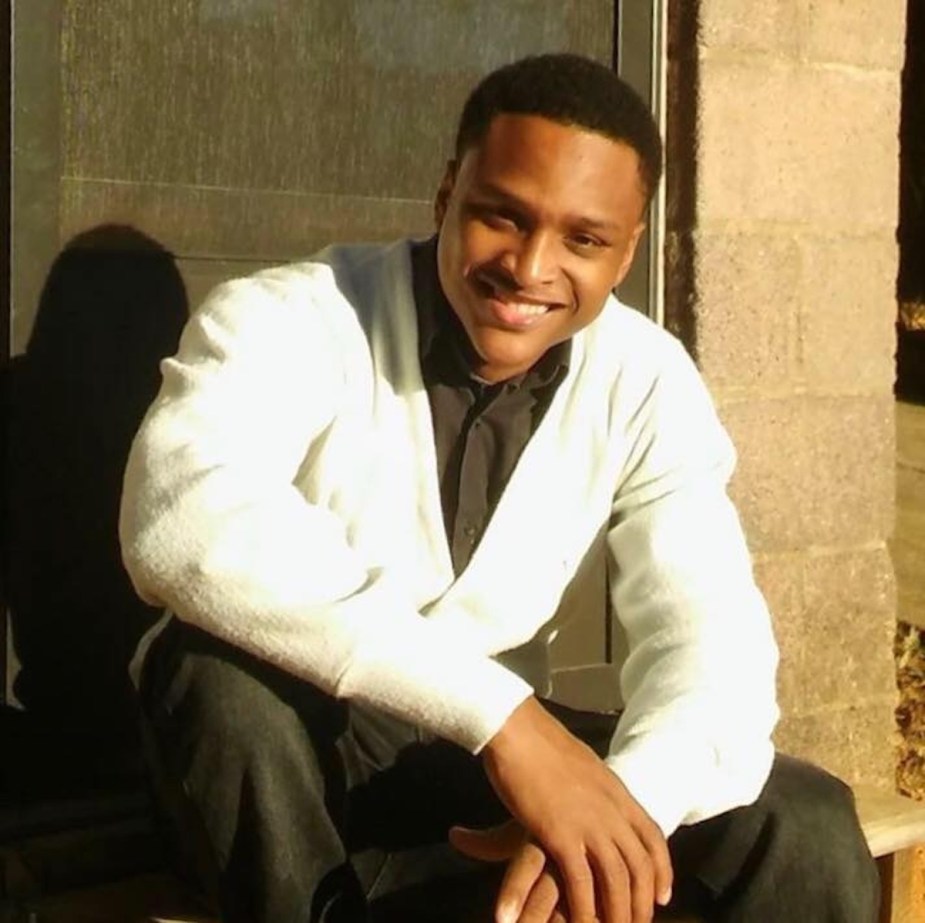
column 538, row 223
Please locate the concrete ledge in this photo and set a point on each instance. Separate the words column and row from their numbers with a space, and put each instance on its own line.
column 895, row 831
column 891, row 822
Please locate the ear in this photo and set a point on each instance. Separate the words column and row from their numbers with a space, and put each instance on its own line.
column 444, row 192
column 629, row 253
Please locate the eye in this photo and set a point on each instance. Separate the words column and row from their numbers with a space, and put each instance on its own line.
column 504, row 218
column 585, row 243
column 498, row 217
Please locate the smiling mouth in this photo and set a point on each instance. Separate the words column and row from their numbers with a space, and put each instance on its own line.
column 512, row 308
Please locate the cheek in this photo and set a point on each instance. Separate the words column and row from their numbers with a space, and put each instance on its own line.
column 451, row 248
column 592, row 289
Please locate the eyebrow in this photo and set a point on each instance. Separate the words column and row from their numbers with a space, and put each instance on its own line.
column 490, row 190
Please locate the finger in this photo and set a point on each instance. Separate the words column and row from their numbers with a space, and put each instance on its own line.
column 579, row 887
column 654, row 842
column 641, row 878
column 497, row 844
column 540, row 906
column 521, row 876
column 614, row 883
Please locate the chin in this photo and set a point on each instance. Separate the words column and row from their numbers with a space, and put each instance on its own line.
column 516, row 359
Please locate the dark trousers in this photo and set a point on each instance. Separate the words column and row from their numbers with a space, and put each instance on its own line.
column 287, row 806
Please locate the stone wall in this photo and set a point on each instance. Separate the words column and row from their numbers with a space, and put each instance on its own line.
column 782, row 179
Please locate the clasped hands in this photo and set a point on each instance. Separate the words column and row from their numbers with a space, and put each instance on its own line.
column 578, row 848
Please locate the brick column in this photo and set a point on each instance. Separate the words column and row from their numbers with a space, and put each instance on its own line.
column 783, row 176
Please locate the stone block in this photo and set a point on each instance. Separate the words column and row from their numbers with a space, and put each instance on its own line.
column 747, row 307
column 834, row 620
column 847, row 308
column 850, row 443
column 813, row 470
column 857, row 743
column 848, row 626
column 760, row 26
column 797, row 144
column 772, row 475
column 782, row 307
column 854, row 32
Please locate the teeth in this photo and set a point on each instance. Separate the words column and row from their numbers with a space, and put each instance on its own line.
column 529, row 310
column 524, row 309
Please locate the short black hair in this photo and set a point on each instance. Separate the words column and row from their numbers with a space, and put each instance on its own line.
column 571, row 90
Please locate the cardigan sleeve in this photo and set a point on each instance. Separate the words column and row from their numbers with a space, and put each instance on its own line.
column 699, row 681
column 213, row 528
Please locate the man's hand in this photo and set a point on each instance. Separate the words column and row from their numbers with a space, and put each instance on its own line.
column 530, row 892
column 611, row 857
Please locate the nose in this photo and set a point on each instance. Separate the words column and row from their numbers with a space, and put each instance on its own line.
column 531, row 260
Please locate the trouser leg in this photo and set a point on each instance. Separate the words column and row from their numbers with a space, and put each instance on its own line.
column 245, row 764
column 273, row 787
column 797, row 854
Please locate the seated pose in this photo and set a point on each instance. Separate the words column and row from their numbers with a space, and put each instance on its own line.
column 361, row 494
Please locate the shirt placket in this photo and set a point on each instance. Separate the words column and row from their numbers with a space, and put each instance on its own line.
column 473, row 509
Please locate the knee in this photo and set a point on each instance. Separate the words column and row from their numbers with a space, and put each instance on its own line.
column 809, row 807
column 797, row 853
column 231, row 706
column 812, row 829
column 216, row 703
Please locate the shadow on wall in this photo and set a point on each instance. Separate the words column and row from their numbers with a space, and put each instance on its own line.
column 113, row 305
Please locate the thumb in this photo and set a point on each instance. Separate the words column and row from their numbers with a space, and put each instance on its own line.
column 496, row 844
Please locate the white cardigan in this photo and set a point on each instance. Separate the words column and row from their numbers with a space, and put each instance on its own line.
column 282, row 494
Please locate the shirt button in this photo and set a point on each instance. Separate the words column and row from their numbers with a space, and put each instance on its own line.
column 469, row 532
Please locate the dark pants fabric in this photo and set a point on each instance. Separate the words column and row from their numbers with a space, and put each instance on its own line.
column 284, row 805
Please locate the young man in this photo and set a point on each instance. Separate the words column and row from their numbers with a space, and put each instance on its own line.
column 365, row 486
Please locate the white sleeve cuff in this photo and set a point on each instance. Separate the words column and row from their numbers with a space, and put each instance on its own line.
column 678, row 781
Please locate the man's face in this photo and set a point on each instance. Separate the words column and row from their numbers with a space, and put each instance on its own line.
column 537, row 224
